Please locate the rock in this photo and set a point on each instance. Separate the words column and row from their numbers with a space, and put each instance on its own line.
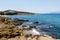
column 29, row 38
column 3, row 39
column 36, row 22
column 22, row 38
column 45, row 38
column 10, row 31
column 20, row 20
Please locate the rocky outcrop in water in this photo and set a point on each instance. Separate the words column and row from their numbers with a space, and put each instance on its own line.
column 10, row 21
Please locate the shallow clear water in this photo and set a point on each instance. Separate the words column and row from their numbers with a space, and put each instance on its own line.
column 53, row 19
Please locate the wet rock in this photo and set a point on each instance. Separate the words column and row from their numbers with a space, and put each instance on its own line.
column 36, row 22
column 20, row 19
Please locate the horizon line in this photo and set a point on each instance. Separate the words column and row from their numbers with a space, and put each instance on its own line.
column 32, row 11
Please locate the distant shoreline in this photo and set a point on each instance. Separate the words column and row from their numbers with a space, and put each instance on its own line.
column 13, row 12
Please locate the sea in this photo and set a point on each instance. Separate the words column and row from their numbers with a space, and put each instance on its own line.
column 45, row 20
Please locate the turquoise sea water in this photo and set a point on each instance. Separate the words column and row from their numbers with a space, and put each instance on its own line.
column 51, row 19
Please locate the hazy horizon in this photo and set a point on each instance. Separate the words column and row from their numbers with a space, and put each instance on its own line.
column 35, row 6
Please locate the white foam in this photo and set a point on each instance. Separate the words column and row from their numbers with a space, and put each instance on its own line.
column 34, row 32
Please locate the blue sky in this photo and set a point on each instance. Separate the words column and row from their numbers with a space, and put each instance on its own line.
column 38, row 6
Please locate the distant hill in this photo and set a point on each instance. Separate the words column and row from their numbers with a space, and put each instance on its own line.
column 13, row 12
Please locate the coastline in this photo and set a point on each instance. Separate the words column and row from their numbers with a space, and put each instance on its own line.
column 13, row 12
column 10, row 31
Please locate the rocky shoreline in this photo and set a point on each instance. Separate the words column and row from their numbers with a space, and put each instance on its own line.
column 10, row 31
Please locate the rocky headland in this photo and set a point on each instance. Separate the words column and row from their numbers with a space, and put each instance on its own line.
column 10, row 31
column 13, row 12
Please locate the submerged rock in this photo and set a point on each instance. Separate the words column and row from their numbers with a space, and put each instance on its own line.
column 36, row 22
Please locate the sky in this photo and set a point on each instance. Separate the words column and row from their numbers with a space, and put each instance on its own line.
column 36, row 6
